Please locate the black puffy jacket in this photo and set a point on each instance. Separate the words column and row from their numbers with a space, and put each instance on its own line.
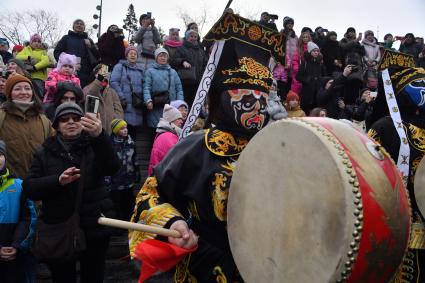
column 193, row 54
column 58, row 202
column 73, row 43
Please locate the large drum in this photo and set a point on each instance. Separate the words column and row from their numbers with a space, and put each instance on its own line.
column 313, row 200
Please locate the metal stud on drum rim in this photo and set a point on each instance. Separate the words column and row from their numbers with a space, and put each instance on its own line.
column 308, row 226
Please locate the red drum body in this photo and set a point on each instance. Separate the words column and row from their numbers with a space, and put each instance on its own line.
column 314, row 200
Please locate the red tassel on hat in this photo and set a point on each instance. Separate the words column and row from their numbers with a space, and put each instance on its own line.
column 156, row 256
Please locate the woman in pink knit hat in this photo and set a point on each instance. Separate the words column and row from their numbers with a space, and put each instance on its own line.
column 36, row 61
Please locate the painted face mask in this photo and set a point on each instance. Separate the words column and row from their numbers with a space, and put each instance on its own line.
column 248, row 108
column 416, row 92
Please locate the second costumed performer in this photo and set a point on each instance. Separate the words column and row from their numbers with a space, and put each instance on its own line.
column 402, row 134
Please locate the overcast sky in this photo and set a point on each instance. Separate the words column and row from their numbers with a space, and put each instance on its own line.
column 390, row 16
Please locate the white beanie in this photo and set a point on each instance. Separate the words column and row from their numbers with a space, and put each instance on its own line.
column 311, row 46
column 159, row 51
column 171, row 114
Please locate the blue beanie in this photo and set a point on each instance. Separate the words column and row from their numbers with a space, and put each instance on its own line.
column 187, row 34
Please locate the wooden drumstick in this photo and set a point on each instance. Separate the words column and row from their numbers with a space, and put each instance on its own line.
column 138, row 227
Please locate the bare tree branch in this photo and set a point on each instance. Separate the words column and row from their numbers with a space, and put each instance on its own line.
column 10, row 27
column 201, row 17
column 19, row 26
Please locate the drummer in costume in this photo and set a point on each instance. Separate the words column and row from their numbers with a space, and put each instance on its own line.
column 189, row 189
column 402, row 134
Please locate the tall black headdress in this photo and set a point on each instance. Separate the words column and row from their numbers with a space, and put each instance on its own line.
column 239, row 59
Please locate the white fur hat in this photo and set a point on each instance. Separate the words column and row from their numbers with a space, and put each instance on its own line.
column 311, row 46
column 171, row 114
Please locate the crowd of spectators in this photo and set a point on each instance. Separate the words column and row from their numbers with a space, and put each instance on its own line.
column 46, row 133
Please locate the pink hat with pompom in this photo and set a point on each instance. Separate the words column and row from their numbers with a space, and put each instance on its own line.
column 35, row 37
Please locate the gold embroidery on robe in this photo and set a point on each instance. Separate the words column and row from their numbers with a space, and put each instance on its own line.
column 194, row 210
column 182, row 272
column 374, row 135
column 224, row 144
column 416, row 137
column 154, row 214
column 220, row 193
column 220, row 277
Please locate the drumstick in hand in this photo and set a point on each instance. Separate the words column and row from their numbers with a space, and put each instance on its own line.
column 138, row 227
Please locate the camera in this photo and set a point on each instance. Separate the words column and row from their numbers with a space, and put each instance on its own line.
column 149, row 15
column 273, row 17
column 354, row 68
column 5, row 74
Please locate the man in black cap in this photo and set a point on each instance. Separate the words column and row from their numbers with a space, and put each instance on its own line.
column 267, row 20
column 147, row 38
column 352, row 50
column 188, row 190
column 319, row 36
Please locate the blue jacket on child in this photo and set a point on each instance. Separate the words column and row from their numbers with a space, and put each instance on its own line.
column 17, row 214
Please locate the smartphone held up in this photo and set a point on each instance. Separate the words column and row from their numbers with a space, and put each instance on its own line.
column 91, row 105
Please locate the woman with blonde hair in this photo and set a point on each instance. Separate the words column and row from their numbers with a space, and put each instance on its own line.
column 304, row 39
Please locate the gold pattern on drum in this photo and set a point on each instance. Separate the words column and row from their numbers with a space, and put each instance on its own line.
column 220, row 192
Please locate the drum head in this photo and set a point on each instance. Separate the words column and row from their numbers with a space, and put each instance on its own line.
column 420, row 186
column 275, row 179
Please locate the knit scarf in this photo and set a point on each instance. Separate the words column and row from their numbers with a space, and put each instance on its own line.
column 22, row 105
column 173, row 43
column 67, row 142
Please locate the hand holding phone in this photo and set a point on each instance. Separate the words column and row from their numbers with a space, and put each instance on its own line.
column 104, row 69
column 91, row 124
